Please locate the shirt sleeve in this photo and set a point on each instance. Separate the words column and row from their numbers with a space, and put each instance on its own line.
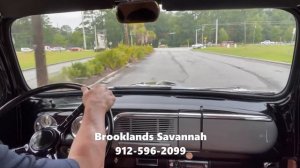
column 10, row 159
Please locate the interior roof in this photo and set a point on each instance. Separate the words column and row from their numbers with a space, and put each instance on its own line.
column 21, row 8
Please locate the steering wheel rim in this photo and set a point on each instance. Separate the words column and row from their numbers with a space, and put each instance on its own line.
column 61, row 129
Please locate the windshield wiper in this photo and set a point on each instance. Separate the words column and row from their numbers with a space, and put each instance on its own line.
column 142, row 87
column 154, row 83
column 167, row 85
column 161, row 85
column 240, row 90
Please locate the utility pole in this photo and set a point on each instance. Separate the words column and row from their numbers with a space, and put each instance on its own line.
column 196, row 37
column 217, row 26
column 171, row 34
column 83, row 32
column 245, row 33
column 293, row 35
column 96, row 44
column 95, row 31
column 202, row 34
column 131, row 40
column 254, row 34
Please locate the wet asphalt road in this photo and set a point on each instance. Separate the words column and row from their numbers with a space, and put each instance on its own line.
column 194, row 69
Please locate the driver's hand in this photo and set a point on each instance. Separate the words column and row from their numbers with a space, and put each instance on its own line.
column 98, row 99
column 85, row 150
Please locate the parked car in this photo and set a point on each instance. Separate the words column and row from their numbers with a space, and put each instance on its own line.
column 163, row 46
column 26, row 49
column 47, row 48
column 267, row 42
column 75, row 49
column 197, row 46
column 58, row 49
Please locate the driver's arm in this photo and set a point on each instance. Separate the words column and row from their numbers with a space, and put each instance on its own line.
column 85, row 150
column 9, row 159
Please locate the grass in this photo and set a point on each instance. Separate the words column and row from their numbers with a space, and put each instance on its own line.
column 27, row 61
column 278, row 53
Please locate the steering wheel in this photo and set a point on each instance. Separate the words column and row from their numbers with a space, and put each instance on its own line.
column 46, row 141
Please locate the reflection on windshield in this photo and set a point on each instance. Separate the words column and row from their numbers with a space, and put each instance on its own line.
column 231, row 50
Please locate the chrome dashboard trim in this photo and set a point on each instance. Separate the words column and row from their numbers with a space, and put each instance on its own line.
column 248, row 117
column 206, row 115
column 141, row 144
column 191, row 161
column 190, row 115
column 150, row 114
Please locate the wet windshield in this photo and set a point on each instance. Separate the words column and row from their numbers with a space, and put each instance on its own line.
column 233, row 50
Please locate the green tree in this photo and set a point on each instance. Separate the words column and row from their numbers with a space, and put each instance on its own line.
column 258, row 34
column 113, row 29
column 276, row 33
column 223, row 36
column 22, row 33
column 287, row 36
column 171, row 28
column 59, row 40
column 76, row 39
column 66, row 29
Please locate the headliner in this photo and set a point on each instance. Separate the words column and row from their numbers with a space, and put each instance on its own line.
column 21, row 8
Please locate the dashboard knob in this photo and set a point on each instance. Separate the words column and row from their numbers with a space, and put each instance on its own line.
column 189, row 155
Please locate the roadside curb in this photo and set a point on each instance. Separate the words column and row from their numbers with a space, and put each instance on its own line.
column 254, row 59
column 115, row 72
column 111, row 74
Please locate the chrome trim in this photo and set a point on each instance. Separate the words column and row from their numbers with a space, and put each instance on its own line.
column 221, row 116
column 190, row 161
column 37, row 121
column 76, row 125
column 248, row 117
column 193, row 151
column 142, row 144
column 190, row 115
column 150, row 114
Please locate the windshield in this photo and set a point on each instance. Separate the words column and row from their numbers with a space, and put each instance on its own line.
column 232, row 50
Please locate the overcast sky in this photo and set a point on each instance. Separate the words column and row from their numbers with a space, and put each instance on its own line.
column 72, row 19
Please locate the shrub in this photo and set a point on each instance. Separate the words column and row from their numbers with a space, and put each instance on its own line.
column 109, row 59
column 94, row 67
column 76, row 70
column 114, row 58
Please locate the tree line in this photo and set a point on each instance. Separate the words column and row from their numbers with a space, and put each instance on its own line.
column 172, row 28
column 240, row 26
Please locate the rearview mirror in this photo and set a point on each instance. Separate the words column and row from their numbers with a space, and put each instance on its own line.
column 137, row 11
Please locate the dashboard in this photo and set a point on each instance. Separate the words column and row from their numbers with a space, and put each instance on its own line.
column 234, row 132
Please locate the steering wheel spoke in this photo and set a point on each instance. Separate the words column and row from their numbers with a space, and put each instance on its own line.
column 52, row 156
column 22, row 149
column 68, row 121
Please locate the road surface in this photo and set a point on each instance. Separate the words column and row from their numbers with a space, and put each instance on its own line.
column 194, row 69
